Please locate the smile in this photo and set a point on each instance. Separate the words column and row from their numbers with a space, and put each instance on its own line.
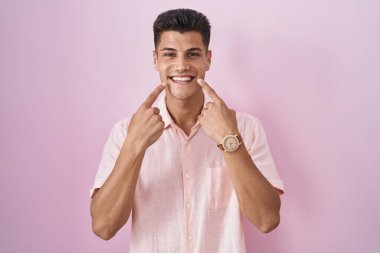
column 182, row 79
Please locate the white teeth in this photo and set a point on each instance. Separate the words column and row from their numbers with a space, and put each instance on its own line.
column 181, row 79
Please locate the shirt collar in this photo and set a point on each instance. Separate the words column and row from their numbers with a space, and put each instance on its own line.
column 166, row 118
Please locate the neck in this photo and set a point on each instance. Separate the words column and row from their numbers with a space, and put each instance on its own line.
column 184, row 112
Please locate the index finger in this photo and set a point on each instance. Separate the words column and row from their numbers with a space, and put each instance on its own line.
column 210, row 91
column 153, row 96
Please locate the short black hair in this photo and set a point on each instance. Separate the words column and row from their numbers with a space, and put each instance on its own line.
column 182, row 20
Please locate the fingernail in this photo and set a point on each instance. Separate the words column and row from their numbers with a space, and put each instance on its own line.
column 163, row 84
column 200, row 81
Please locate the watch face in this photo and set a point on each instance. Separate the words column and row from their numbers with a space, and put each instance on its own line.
column 231, row 143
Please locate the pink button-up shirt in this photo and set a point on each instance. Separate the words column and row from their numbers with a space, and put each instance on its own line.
column 184, row 200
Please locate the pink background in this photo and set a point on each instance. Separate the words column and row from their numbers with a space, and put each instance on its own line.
column 308, row 69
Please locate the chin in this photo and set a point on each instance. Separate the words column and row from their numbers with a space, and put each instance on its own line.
column 182, row 94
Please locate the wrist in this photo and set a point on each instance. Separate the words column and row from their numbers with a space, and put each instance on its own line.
column 222, row 134
column 133, row 146
column 230, row 143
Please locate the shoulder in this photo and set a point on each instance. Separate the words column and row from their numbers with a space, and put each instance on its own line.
column 122, row 123
column 246, row 119
column 119, row 129
column 249, row 126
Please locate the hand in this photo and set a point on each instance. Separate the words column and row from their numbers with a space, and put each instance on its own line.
column 216, row 119
column 146, row 125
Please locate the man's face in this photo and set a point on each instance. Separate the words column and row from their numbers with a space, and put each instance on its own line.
column 181, row 58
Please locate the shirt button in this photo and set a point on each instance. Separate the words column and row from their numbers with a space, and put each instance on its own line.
column 189, row 238
column 187, row 175
column 187, row 205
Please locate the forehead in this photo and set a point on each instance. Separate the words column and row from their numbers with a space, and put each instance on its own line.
column 180, row 41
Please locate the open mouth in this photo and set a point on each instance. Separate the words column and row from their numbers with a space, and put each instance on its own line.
column 182, row 79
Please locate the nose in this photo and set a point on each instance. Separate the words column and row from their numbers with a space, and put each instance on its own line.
column 181, row 65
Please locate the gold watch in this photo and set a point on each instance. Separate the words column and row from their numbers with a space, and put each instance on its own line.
column 230, row 143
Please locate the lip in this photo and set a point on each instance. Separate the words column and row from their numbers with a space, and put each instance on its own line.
column 191, row 76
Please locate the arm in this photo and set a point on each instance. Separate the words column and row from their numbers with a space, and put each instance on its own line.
column 258, row 199
column 111, row 205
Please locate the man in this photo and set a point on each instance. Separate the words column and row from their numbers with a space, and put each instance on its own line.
column 189, row 168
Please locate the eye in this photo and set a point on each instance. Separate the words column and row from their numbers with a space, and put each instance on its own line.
column 169, row 54
column 193, row 55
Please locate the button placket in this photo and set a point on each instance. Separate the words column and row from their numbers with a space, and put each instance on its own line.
column 188, row 197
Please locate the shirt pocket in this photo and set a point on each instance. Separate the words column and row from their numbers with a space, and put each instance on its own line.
column 220, row 188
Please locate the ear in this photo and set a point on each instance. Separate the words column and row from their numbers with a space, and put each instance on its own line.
column 155, row 59
column 208, row 59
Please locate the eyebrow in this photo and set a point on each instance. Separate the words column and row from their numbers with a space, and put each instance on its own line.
column 188, row 50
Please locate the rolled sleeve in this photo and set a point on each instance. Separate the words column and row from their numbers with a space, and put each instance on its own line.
column 258, row 148
column 110, row 153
